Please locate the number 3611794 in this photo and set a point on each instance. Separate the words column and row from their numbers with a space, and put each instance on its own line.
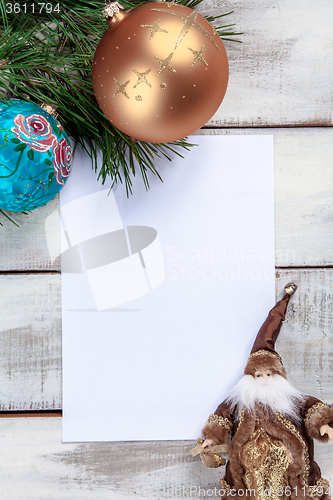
column 32, row 8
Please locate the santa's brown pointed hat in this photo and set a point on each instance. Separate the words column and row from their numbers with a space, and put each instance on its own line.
column 263, row 354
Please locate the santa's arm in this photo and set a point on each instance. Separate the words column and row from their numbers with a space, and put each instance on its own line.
column 216, row 434
column 318, row 419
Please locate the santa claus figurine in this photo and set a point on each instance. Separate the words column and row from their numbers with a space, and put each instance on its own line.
column 269, row 426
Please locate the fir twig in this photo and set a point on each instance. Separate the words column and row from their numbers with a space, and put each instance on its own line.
column 48, row 57
column 221, row 29
column 7, row 217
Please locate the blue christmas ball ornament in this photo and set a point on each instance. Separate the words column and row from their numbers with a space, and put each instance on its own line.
column 35, row 156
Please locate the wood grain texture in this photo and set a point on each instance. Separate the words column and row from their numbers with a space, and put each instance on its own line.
column 281, row 75
column 35, row 244
column 305, row 341
column 303, row 190
column 282, row 72
column 303, row 207
column 30, row 340
column 35, row 464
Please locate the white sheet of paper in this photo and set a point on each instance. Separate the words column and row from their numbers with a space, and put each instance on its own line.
column 163, row 293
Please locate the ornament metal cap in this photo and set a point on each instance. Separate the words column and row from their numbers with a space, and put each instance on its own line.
column 50, row 108
column 111, row 9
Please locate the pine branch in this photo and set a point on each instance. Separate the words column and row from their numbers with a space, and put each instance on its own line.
column 48, row 57
column 11, row 220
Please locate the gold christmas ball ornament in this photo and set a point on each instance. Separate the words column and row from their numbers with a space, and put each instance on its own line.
column 160, row 71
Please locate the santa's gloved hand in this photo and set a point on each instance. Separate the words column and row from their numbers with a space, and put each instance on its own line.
column 208, row 443
column 211, row 459
column 326, row 429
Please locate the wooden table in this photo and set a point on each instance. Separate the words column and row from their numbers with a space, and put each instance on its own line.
column 281, row 84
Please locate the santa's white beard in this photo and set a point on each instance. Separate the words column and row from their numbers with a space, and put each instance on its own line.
column 274, row 393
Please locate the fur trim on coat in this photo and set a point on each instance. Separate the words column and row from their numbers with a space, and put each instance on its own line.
column 263, row 361
column 219, row 434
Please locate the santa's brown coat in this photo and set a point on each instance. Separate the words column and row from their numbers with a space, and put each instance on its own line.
column 303, row 473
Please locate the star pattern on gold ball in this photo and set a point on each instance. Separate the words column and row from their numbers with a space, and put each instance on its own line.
column 190, row 22
column 198, row 56
column 154, row 28
column 142, row 77
column 165, row 64
column 121, row 88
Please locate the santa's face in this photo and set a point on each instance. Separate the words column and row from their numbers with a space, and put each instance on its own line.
column 268, row 390
column 263, row 373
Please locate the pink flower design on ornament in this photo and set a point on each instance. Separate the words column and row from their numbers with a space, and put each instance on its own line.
column 62, row 161
column 35, row 131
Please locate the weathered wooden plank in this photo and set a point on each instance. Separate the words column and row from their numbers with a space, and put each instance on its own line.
column 303, row 207
column 34, row 464
column 282, row 73
column 30, row 340
column 26, row 247
column 303, row 191
column 305, row 342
